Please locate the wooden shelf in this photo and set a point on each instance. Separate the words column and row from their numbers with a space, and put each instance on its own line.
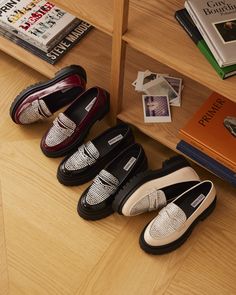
column 95, row 57
column 153, row 30
column 97, row 13
column 193, row 96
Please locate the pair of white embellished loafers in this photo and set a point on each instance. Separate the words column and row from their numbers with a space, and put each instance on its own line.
column 183, row 199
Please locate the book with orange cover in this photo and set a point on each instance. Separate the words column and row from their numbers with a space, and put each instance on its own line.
column 212, row 129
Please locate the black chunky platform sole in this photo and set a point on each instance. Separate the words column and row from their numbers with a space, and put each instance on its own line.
column 157, row 250
column 60, row 75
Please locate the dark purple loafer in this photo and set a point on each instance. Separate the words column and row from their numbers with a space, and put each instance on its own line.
column 70, row 128
column 41, row 100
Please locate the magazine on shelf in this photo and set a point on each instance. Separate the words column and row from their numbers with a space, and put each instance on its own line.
column 189, row 26
column 40, row 23
column 207, row 162
column 216, row 21
column 69, row 41
column 212, row 129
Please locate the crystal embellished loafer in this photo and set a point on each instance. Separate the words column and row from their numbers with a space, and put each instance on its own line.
column 175, row 222
column 41, row 100
column 96, row 201
column 153, row 189
column 90, row 158
column 71, row 127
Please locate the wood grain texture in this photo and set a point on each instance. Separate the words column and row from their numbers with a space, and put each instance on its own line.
column 51, row 250
column 118, row 56
column 97, row 13
column 153, row 30
column 93, row 53
column 193, row 95
column 4, row 283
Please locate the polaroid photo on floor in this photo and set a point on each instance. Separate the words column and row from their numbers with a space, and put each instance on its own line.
column 176, row 84
column 161, row 87
column 144, row 78
column 156, row 108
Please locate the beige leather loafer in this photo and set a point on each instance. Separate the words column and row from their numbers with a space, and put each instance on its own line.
column 175, row 222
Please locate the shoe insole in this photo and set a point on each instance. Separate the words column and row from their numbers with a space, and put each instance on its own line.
column 80, row 108
column 123, row 164
column 107, row 142
column 193, row 198
column 59, row 99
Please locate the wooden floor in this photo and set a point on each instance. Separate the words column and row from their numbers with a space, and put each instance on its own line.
column 46, row 248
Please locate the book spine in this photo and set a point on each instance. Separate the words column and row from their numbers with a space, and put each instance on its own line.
column 27, row 46
column 190, row 29
column 22, row 36
column 207, row 162
column 207, row 151
column 65, row 32
column 209, row 56
column 69, row 41
column 204, row 35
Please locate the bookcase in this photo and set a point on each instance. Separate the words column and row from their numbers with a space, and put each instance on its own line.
column 131, row 36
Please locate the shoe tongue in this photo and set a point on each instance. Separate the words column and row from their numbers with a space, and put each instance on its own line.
column 91, row 150
column 108, row 178
column 64, row 121
column 43, row 109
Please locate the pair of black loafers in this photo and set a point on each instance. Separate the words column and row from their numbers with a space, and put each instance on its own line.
column 110, row 159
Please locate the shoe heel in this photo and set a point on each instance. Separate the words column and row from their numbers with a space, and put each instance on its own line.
column 73, row 69
column 208, row 211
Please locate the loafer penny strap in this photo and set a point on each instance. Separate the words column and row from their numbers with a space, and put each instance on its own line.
column 86, row 155
column 103, row 186
column 169, row 219
column 62, row 128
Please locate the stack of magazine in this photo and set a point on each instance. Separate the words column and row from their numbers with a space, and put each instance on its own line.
column 40, row 27
column 209, row 137
column 212, row 26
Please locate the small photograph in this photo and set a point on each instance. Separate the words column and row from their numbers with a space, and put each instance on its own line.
column 226, row 30
column 149, row 78
column 156, row 108
column 176, row 83
column 161, row 87
column 144, row 78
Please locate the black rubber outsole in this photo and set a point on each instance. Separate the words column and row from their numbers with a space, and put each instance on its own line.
column 157, row 250
column 79, row 141
column 96, row 216
column 60, row 75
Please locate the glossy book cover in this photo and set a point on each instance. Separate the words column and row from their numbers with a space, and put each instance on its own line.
column 212, row 129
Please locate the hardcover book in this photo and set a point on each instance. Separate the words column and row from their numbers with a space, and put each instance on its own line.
column 207, row 162
column 216, row 21
column 212, row 130
column 189, row 26
column 38, row 22
column 58, row 51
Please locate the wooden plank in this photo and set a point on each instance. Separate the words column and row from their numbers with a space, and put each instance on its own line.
column 97, row 13
column 154, row 31
column 118, row 55
column 193, row 96
column 4, row 284
column 93, row 53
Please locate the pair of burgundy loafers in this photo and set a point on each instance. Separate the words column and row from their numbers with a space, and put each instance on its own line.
column 68, row 130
